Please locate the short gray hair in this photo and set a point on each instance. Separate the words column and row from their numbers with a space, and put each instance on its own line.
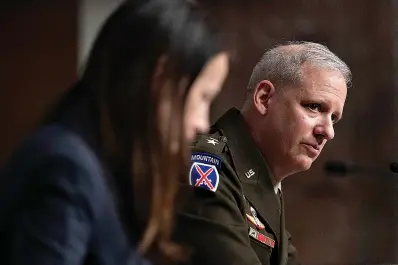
column 282, row 64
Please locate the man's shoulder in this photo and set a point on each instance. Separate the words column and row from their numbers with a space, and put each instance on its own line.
column 211, row 148
column 213, row 142
column 211, row 161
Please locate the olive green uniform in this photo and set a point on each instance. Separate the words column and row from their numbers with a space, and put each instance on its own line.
column 232, row 214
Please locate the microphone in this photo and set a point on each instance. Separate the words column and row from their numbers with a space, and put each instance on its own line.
column 394, row 167
column 342, row 168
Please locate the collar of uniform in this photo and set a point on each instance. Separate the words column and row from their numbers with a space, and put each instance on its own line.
column 277, row 184
column 244, row 151
column 258, row 188
column 278, row 187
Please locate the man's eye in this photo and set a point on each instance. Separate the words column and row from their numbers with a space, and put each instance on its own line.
column 314, row 106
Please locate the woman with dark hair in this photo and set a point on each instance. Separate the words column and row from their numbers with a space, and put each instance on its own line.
column 97, row 180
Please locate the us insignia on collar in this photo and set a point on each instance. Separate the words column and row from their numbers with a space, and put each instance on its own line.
column 204, row 176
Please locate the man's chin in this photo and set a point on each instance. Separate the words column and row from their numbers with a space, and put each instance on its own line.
column 304, row 163
column 299, row 164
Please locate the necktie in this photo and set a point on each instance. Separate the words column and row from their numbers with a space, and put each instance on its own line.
column 280, row 200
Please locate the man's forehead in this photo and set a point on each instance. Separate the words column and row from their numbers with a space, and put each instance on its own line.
column 328, row 89
column 324, row 80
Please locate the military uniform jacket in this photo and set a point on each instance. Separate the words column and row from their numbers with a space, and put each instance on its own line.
column 231, row 213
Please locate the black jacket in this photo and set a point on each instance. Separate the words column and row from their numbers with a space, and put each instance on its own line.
column 56, row 207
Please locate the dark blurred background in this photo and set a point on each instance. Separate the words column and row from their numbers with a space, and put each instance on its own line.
column 333, row 220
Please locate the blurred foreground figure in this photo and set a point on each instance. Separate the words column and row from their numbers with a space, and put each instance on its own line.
column 95, row 182
column 235, row 213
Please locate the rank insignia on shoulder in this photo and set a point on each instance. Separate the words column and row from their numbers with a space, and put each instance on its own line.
column 212, row 141
column 261, row 238
column 206, row 158
column 213, row 145
column 204, row 176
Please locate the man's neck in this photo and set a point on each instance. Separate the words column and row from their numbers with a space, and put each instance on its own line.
column 277, row 184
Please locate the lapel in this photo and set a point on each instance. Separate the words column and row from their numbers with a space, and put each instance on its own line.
column 258, row 188
column 283, row 249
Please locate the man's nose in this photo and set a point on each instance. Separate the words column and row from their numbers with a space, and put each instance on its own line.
column 325, row 129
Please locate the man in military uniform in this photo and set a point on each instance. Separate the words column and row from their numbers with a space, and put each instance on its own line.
column 233, row 209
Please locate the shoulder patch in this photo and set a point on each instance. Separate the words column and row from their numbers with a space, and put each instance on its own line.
column 204, row 176
column 206, row 158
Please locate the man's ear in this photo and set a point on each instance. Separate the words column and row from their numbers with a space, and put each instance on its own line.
column 263, row 92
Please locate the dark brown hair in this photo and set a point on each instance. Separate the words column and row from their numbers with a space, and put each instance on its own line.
column 146, row 53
